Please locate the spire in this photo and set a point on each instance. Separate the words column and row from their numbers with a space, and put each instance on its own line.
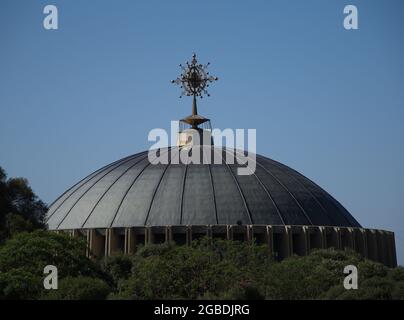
column 194, row 81
column 194, row 108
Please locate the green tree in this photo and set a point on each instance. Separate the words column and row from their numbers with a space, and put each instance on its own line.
column 309, row 276
column 33, row 251
column 205, row 269
column 4, row 203
column 222, row 269
column 20, row 208
column 118, row 267
column 208, row 269
column 79, row 288
column 26, row 254
column 19, row 284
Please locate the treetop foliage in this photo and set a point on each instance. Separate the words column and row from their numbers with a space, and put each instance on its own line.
column 208, row 269
column 20, row 208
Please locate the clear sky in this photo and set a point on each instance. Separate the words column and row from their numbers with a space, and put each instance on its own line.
column 326, row 101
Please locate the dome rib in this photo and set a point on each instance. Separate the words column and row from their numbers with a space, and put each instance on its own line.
column 288, row 191
column 182, row 193
column 275, row 163
column 109, row 188
column 77, row 186
column 87, row 199
column 268, row 194
column 130, row 187
column 109, row 170
column 238, row 186
column 133, row 192
column 213, row 186
column 154, row 193
column 338, row 209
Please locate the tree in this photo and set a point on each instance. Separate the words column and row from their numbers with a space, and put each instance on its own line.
column 19, row 284
column 79, row 288
column 205, row 269
column 33, row 251
column 118, row 267
column 23, row 258
column 20, row 208
column 220, row 269
column 4, row 203
column 208, row 269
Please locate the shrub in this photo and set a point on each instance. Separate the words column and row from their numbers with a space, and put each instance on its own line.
column 118, row 267
column 23, row 258
column 33, row 251
column 79, row 288
column 19, row 284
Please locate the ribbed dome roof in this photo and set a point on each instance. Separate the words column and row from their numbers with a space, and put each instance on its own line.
column 134, row 192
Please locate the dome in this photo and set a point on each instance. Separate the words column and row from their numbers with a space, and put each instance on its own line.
column 136, row 192
column 195, row 189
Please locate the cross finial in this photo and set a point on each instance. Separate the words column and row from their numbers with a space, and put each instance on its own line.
column 194, row 79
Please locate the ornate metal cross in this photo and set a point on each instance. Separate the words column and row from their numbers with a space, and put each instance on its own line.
column 194, row 79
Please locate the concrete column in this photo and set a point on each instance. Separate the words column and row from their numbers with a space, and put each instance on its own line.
column 148, row 235
column 96, row 243
column 270, row 239
column 306, row 234
column 75, row 233
column 333, row 238
column 112, row 240
column 107, row 242
column 323, row 237
column 188, row 235
column 372, row 244
column 88, row 241
column 338, row 235
column 130, row 241
column 169, row 234
column 229, row 232
column 388, row 248
column 381, row 247
column 365, row 243
column 347, row 238
column 288, row 241
column 249, row 233
column 360, row 242
column 352, row 238
column 209, row 232
column 392, row 262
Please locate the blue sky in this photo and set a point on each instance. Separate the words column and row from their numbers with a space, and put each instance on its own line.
column 326, row 101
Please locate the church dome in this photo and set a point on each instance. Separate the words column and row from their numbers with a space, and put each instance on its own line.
column 195, row 189
column 134, row 191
